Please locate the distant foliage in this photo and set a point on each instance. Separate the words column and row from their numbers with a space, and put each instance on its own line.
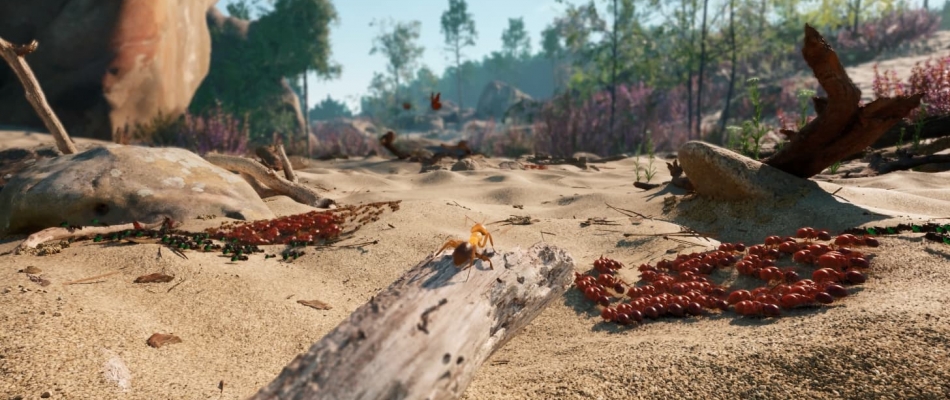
column 885, row 33
column 498, row 140
column 569, row 123
column 337, row 139
column 213, row 131
column 932, row 78
column 329, row 109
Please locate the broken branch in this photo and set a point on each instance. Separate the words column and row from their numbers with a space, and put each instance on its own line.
column 13, row 55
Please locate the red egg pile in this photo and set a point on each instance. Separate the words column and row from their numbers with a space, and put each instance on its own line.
column 303, row 229
column 683, row 286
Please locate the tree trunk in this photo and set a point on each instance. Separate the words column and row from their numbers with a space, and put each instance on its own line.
column 426, row 335
column 702, row 67
column 458, row 80
column 689, row 71
column 857, row 14
column 723, row 119
column 306, row 115
column 841, row 128
column 613, row 82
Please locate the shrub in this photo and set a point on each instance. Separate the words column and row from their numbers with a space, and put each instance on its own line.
column 888, row 32
column 570, row 123
column 339, row 138
column 214, row 131
column 500, row 141
column 932, row 78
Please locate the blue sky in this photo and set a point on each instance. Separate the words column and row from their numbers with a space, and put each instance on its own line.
column 352, row 37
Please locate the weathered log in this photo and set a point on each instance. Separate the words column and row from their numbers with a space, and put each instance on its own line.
column 426, row 335
column 841, row 127
column 13, row 55
column 298, row 192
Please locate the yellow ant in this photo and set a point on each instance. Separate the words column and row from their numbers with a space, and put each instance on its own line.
column 468, row 250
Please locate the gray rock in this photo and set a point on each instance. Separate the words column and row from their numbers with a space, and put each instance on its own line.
column 465, row 164
column 119, row 184
column 725, row 174
column 496, row 98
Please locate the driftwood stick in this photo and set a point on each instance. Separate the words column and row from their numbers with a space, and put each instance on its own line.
column 908, row 163
column 426, row 335
column 14, row 56
column 59, row 233
column 841, row 128
column 299, row 193
column 285, row 162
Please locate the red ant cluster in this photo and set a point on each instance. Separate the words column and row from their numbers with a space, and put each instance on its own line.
column 304, row 229
column 682, row 286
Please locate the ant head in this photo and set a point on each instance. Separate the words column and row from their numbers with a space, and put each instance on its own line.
column 467, row 218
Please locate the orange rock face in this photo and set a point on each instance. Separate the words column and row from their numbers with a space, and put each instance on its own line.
column 103, row 67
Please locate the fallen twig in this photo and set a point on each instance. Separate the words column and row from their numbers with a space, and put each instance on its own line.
column 285, row 162
column 59, row 233
column 14, row 56
column 299, row 193
column 92, row 278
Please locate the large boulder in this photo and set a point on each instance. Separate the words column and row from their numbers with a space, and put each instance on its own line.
column 496, row 98
column 119, row 184
column 724, row 174
column 119, row 62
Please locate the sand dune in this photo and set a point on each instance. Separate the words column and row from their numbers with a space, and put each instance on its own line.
column 240, row 322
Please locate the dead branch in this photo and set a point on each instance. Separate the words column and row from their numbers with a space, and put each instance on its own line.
column 841, row 127
column 59, row 233
column 426, row 335
column 14, row 56
column 908, row 163
column 387, row 142
column 298, row 192
column 285, row 162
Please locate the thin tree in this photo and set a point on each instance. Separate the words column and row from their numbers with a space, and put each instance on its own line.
column 459, row 30
column 398, row 45
column 515, row 42
column 613, row 72
column 732, row 70
column 552, row 50
column 702, row 66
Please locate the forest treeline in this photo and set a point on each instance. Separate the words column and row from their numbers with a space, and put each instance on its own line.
column 643, row 60
column 611, row 73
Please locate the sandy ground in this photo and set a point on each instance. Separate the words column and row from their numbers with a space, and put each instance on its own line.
column 240, row 322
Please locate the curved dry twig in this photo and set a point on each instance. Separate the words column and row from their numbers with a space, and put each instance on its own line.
column 298, row 192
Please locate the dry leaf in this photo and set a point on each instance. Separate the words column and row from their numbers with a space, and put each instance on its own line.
column 160, row 339
column 315, row 304
column 154, row 278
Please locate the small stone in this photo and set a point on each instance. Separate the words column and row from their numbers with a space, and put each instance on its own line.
column 31, row 270
column 57, row 314
column 465, row 164
column 160, row 339
column 46, row 395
